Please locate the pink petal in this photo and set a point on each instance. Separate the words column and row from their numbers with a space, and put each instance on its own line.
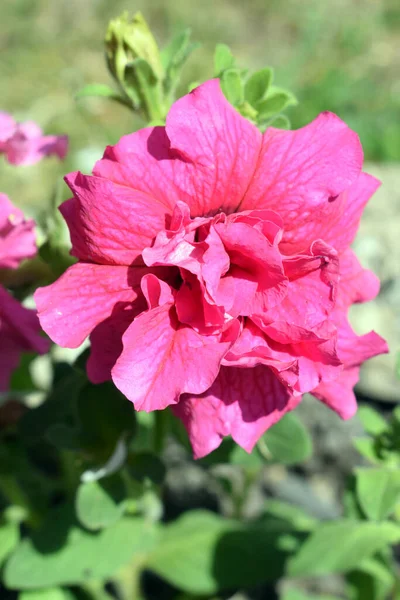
column 106, row 338
column 30, row 130
column 106, row 342
column 28, row 146
column 220, row 146
column 354, row 349
column 162, row 359
column 300, row 171
column 242, row 403
column 17, row 236
column 337, row 222
column 256, row 280
column 19, row 332
column 300, row 359
column 176, row 245
column 338, row 394
column 311, row 291
column 356, row 284
column 205, row 156
column 110, row 223
column 145, row 163
column 194, row 308
column 84, row 296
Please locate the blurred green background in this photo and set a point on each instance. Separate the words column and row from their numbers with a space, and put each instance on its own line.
column 338, row 55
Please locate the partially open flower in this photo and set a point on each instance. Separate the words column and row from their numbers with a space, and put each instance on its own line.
column 19, row 326
column 215, row 273
column 25, row 144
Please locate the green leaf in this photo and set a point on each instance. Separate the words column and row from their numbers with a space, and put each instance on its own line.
column 300, row 520
column 378, row 491
column 275, row 102
column 341, row 546
column 371, row 420
column 240, row 457
column 62, row 553
column 178, row 50
column 144, row 465
column 351, row 505
column 174, row 57
column 54, row 593
column 257, row 85
column 288, row 441
column 201, row 553
column 232, row 86
column 99, row 504
column 9, row 538
column 59, row 407
column 223, row 59
column 368, row 448
column 294, row 594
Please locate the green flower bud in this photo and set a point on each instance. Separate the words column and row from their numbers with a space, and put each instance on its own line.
column 128, row 39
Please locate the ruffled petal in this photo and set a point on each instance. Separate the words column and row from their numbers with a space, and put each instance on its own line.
column 84, row 296
column 339, row 394
column 110, row 223
column 220, row 146
column 301, row 171
column 242, row 403
column 162, row 359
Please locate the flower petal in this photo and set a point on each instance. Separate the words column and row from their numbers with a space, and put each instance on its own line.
column 300, row 171
column 27, row 145
column 242, row 403
column 84, row 296
column 17, row 236
column 337, row 222
column 162, row 359
column 311, row 291
column 110, row 223
column 19, row 332
column 106, row 342
column 356, row 284
column 220, row 146
column 338, row 394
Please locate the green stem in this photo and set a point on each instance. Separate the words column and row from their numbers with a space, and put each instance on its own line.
column 12, row 491
column 71, row 474
column 128, row 581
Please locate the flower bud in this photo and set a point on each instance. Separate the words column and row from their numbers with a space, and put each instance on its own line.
column 128, row 39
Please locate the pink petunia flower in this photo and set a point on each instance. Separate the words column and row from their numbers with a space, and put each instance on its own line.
column 25, row 144
column 215, row 273
column 17, row 236
column 19, row 326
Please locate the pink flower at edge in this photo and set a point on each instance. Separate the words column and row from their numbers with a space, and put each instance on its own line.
column 214, row 269
column 17, row 236
column 25, row 144
column 19, row 326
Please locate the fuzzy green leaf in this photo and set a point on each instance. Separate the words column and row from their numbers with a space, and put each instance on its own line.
column 378, row 491
column 341, row 546
column 257, row 86
column 288, row 441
